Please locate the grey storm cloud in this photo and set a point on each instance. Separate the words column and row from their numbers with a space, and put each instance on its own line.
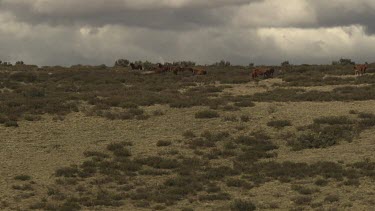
column 345, row 12
column 66, row 32
column 160, row 14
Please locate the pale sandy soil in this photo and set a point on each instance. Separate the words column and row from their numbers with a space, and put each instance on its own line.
column 39, row 148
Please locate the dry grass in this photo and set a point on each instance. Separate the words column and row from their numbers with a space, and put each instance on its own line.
column 164, row 158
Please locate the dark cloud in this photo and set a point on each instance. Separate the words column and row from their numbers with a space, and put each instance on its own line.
column 262, row 31
column 344, row 13
column 161, row 14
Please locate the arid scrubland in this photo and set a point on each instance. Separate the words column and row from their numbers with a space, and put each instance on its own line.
column 98, row 138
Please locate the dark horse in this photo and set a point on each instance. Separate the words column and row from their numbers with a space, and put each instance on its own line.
column 136, row 66
column 269, row 73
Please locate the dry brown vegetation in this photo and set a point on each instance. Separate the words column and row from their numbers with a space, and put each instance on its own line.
column 96, row 138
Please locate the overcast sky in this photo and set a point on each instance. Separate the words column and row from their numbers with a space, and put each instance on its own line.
column 66, row 32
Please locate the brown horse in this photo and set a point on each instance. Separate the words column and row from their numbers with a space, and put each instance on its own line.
column 360, row 69
column 265, row 72
column 258, row 72
column 136, row 66
column 196, row 71
column 162, row 68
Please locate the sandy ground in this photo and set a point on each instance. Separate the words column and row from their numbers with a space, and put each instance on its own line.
column 39, row 148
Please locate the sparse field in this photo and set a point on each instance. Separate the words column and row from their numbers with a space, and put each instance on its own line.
column 89, row 138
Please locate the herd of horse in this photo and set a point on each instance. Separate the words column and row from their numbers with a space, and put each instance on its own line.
column 266, row 72
column 160, row 68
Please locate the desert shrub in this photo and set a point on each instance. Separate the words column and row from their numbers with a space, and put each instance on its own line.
column 279, row 123
column 238, row 183
column 255, row 147
column 3, row 119
column 367, row 120
column 142, row 117
column 187, row 209
column 95, row 154
column 220, row 172
column 70, row 205
column 159, row 207
column 303, row 190
column 364, row 115
column 32, row 118
column 325, row 132
column 25, row 187
column 213, row 188
column 214, row 197
column 163, row 143
column 230, row 118
column 159, row 162
column 366, row 168
column 11, row 124
column 207, row 114
column 71, row 171
column 230, row 145
column 158, row 113
column 215, row 137
column 321, row 182
column 136, row 111
column 200, row 143
column 128, row 105
column 244, row 103
column 119, row 150
column 331, row 198
column 298, row 95
column 353, row 112
column 230, row 108
column 245, row 118
column 352, row 182
column 302, row 200
column 189, row 134
column 312, row 140
column 154, row 172
column 242, row 205
column 22, row 177
column 334, row 120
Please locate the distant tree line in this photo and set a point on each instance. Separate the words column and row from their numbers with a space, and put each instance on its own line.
column 5, row 63
column 222, row 63
column 343, row 61
column 147, row 64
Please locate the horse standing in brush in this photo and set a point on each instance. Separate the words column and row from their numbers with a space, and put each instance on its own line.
column 269, row 73
column 196, row 71
column 136, row 66
column 161, row 68
column 360, row 69
column 265, row 72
